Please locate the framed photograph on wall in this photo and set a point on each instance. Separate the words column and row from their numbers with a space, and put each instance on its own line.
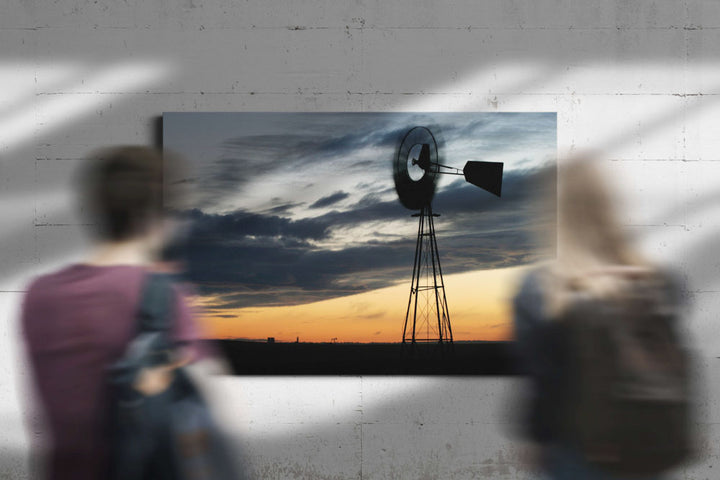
column 363, row 243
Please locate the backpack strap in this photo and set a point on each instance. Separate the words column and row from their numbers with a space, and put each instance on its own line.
column 156, row 301
column 153, row 344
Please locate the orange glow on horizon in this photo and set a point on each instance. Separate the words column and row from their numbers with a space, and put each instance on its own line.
column 479, row 303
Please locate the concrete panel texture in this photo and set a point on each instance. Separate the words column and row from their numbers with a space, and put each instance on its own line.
column 639, row 81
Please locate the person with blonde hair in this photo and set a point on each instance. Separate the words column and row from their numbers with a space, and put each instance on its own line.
column 577, row 323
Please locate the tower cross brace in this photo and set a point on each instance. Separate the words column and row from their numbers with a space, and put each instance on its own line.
column 427, row 319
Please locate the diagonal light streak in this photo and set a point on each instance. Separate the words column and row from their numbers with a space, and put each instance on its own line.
column 21, row 82
column 49, row 111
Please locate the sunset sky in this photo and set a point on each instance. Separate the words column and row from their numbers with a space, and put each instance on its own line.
column 297, row 231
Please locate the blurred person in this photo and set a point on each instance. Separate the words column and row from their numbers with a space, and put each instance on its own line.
column 79, row 320
column 608, row 395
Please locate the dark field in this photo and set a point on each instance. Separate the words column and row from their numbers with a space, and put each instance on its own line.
column 462, row 358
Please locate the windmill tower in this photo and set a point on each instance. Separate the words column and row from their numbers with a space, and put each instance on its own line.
column 415, row 172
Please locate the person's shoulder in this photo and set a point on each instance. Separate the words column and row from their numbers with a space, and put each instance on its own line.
column 84, row 278
column 41, row 282
column 531, row 281
column 529, row 300
column 43, row 290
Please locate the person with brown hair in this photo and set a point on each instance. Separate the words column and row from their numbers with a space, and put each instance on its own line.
column 79, row 320
column 596, row 334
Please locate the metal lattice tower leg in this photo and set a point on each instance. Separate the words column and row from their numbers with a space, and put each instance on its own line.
column 427, row 320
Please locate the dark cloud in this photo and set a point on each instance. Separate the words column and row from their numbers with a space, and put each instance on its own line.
column 303, row 141
column 274, row 273
column 244, row 158
column 254, row 259
column 330, row 200
column 280, row 150
column 459, row 204
column 242, row 225
column 505, row 131
column 283, row 208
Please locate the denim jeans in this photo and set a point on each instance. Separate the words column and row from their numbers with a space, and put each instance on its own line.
column 565, row 463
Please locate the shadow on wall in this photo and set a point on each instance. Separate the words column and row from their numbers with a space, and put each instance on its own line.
column 14, row 462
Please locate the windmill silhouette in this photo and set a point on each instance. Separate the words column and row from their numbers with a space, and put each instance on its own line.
column 416, row 168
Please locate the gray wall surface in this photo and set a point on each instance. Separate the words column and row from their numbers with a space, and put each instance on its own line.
column 638, row 81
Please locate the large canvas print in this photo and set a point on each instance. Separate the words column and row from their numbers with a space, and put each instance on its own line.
column 363, row 243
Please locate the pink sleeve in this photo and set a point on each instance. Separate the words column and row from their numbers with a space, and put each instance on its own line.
column 186, row 330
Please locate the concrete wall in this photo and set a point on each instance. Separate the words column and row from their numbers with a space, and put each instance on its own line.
column 638, row 80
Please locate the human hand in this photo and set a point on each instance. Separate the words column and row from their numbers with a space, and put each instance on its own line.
column 155, row 380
